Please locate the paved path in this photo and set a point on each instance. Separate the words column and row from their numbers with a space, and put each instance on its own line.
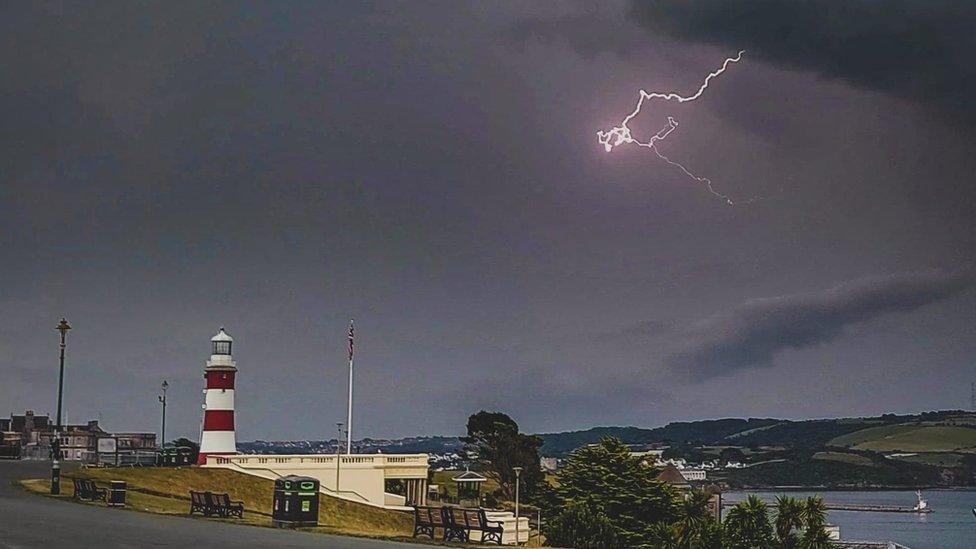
column 29, row 521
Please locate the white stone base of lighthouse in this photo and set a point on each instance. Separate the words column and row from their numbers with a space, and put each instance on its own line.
column 218, row 442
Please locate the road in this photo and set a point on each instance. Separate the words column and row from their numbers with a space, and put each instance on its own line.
column 29, row 521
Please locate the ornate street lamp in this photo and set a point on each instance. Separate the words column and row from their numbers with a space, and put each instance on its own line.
column 63, row 327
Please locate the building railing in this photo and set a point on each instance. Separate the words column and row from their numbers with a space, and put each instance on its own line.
column 376, row 460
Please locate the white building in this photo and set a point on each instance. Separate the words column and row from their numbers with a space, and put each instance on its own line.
column 361, row 477
column 693, row 474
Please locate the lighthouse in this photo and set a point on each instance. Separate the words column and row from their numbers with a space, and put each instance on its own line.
column 217, row 436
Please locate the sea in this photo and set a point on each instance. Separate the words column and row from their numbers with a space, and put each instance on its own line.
column 951, row 525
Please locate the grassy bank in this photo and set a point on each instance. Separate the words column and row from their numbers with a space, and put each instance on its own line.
column 166, row 491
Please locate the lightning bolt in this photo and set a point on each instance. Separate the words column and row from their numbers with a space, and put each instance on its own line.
column 621, row 135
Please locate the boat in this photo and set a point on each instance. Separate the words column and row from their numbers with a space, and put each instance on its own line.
column 922, row 506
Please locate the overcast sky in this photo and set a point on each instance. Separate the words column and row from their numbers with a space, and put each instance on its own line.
column 432, row 170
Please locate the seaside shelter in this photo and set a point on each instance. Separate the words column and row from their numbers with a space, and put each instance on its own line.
column 469, row 486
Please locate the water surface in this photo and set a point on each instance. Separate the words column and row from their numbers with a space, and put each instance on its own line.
column 952, row 525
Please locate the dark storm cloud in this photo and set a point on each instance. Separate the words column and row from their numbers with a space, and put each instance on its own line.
column 752, row 333
column 917, row 50
column 588, row 33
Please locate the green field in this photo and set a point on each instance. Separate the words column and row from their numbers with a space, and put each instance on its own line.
column 910, row 438
column 843, row 457
column 937, row 459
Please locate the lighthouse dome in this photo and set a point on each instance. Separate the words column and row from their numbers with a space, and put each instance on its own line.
column 222, row 342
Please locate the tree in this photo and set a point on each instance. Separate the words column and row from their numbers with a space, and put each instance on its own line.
column 815, row 523
column 798, row 524
column 748, row 527
column 671, row 536
column 789, row 521
column 579, row 526
column 697, row 528
column 498, row 447
column 185, row 442
column 607, row 479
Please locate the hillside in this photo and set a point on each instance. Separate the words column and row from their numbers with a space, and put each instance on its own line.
column 736, row 432
column 693, row 432
column 931, row 448
column 958, row 431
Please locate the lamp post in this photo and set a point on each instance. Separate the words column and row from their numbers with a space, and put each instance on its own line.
column 63, row 327
column 518, row 474
column 162, row 400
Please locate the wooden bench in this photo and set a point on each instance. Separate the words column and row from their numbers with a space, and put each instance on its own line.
column 198, row 503
column 426, row 520
column 221, row 505
column 210, row 504
column 458, row 523
column 87, row 490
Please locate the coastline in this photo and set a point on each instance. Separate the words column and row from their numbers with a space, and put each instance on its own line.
column 823, row 488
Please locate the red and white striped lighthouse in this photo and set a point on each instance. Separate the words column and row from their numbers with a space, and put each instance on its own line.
column 217, row 436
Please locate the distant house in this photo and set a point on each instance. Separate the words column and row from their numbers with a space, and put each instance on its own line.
column 548, row 464
column 672, row 475
column 79, row 442
column 28, row 431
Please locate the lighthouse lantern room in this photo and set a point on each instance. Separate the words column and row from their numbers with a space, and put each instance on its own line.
column 217, row 436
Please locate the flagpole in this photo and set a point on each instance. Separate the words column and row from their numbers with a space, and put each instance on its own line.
column 349, row 414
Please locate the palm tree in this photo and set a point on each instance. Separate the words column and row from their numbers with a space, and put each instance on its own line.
column 789, row 521
column 694, row 509
column 815, row 521
column 662, row 535
column 697, row 528
column 748, row 527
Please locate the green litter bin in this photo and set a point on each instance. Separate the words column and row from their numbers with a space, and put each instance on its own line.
column 296, row 502
column 116, row 493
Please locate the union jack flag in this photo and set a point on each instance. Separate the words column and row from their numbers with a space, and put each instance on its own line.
column 351, row 334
